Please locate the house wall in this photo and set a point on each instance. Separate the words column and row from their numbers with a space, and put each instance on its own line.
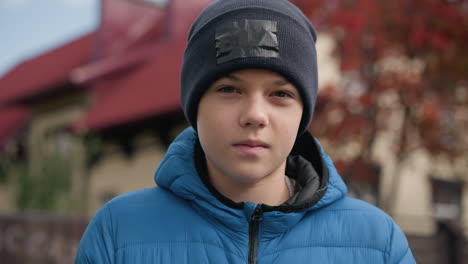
column 50, row 137
column 117, row 174
column 412, row 203
column 7, row 198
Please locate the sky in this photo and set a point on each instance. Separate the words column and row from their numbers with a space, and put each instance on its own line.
column 31, row 27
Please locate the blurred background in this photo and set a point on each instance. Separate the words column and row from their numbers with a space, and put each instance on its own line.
column 89, row 102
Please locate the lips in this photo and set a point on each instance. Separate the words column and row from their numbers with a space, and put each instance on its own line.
column 251, row 147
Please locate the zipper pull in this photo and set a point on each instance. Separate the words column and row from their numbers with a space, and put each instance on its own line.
column 257, row 215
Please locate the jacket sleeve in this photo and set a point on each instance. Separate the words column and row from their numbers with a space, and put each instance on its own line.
column 97, row 243
column 399, row 252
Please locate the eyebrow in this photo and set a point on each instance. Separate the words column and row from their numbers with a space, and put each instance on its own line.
column 278, row 82
column 233, row 78
column 281, row 82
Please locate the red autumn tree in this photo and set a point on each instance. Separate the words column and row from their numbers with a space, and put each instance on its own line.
column 402, row 56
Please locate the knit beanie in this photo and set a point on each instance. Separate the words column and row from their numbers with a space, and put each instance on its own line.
column 231, row 35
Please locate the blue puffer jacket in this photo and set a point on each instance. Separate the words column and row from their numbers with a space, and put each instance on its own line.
column 182, row 221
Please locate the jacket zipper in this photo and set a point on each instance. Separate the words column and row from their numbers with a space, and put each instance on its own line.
column 255, row 219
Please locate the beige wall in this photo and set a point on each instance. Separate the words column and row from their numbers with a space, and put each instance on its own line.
column 7, row 198
column 48, row 117
column 116, row 173
column 412, row 207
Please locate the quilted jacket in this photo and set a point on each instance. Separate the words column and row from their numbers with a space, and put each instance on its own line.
column 185, row 220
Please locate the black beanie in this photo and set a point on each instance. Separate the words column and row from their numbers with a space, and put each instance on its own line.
column 231, row 35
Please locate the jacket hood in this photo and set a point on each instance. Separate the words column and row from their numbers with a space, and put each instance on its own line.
column 179, row 174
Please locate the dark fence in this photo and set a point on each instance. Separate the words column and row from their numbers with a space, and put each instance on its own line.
column 33, row 238
column 439, row 249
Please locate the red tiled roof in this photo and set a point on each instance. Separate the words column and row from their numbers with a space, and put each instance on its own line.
column 125, row 40
column 113, row 65
column 12, row 119
column 127, row 24
column 39, row 74
column 149, row 91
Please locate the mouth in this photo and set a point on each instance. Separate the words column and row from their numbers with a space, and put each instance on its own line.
column 251, row 147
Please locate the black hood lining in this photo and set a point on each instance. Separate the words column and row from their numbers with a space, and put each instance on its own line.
column 305, row 165
column 202, row 170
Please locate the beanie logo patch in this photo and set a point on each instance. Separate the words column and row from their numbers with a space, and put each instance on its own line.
column 246, row 39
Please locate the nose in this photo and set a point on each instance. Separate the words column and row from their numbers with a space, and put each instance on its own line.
column 254, row 114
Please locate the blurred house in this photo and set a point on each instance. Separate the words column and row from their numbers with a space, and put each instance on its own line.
column 92, row 119
column 38, row 103
column 99, row 106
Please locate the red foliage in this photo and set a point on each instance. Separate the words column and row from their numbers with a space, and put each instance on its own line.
column 426, row 39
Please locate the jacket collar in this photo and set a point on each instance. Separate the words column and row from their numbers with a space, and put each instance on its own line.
column 185, row 176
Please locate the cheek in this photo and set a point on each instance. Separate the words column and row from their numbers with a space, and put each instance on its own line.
column 212, row 125
column 289, row 121
column 206, row 114
column 213, row 122
column 288, row 127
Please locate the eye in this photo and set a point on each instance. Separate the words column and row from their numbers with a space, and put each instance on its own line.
column 228, row 89
column 282, row 94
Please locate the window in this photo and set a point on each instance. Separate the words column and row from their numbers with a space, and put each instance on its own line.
column 59, row 141
column 446, row 197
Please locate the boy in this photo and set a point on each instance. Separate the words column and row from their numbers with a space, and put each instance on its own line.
column 246, row 183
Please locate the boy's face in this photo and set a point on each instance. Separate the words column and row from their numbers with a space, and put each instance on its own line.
column 247, row 124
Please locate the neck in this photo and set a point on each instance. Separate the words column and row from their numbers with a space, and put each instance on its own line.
column 270, row 189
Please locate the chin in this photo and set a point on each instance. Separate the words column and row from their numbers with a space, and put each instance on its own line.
column 249, row 175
